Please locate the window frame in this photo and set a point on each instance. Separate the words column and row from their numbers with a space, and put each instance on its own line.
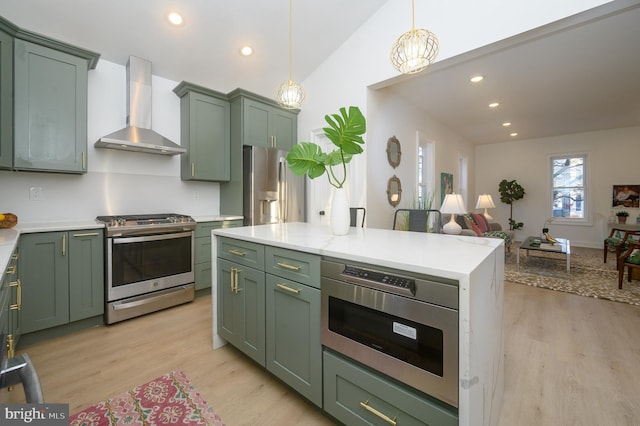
column 586, row 220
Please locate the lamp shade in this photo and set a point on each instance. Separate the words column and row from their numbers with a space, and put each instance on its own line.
column 485, row 202
column 453, row 204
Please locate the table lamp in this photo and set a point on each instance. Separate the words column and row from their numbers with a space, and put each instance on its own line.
column 485, row 202
column 453, row 204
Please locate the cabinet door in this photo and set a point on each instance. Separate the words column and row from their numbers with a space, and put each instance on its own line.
column 256, row 124
column 44, row 274
column 241, row 311
column 50, row 112
column 6, row 101
column 285, row 128
column 294, row 352
column 208, row 139
column 86, row 274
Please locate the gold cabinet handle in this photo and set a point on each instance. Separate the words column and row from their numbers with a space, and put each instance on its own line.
column 289, row 289
column 12, row 269
column 232, row 275
column 64, row 244
column 289, row 267
column 18, row 303
column 10, row 347
column 15, row 256
column 193, row 169
column 87, row 234
column 372, row 410
column 236, row 252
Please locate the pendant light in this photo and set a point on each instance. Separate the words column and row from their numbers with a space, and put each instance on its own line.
column 290, row 94
column 414, row 50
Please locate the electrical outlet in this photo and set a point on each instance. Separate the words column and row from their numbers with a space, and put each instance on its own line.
column 35, row 193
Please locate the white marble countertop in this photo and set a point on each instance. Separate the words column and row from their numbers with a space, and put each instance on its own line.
column 216, row 218
column 446, row 256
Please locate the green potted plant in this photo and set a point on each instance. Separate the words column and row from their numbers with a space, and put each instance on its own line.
column 622, row 216
column 511, row 191
column 345, row 132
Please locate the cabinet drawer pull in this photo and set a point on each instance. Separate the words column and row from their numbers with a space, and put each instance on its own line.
column 236, row 252
column 87, row 234
column 18, row 303
column 289, row 289
column 64, row 244
column 289, row 267
column 12, row 269
column 372, row 410
column 15, row 256
column 193, row 169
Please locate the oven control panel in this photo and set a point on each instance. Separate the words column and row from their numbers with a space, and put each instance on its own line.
column 381, row 278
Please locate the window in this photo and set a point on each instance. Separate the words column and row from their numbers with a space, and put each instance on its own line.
column 568, row 194
column 426, row 173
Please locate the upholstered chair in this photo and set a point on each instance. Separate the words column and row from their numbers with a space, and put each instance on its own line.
column 618, row 240
column 630, row 259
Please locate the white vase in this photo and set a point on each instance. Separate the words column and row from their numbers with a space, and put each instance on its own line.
column 340, row 218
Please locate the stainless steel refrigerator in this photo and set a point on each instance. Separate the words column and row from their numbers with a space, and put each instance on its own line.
column 272, row 193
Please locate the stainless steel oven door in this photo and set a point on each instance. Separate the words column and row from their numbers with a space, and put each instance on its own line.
column 409, row 340
column 141, row 264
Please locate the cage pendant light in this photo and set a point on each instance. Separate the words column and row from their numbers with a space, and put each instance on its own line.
column 290, row 94
column 414, row 50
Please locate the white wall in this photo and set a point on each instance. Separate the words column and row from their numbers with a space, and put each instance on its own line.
column 117, row 182
column 611, row 160
column 363, row 60
column 390, row 116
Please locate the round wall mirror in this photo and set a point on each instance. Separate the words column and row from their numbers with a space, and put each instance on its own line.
column 393, row 151
column 394, row 191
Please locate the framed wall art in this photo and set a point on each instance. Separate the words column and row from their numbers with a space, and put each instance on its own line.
column 626, row 196
column 446, row 185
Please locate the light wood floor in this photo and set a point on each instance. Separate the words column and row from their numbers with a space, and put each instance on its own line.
column 569, row 360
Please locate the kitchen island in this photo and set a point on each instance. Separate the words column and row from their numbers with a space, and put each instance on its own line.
column 476, row 264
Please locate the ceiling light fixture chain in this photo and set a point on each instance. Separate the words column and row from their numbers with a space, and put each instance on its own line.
column 290, row 94
column 414, row 50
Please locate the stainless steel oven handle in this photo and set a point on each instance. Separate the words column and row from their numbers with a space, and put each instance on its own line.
column 143, row 238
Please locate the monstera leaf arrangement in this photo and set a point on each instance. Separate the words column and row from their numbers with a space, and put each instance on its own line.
column 345, row 132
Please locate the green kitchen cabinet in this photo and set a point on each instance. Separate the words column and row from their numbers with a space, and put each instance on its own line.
column 257, row 121
column 241, row 307
column 62, row 276
column 203, row 249
column 294, row 351
column 6, row 97
column 10, row 304
column 50, row 109
column 205, row 133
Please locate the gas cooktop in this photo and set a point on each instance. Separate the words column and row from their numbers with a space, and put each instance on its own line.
column 145, row 222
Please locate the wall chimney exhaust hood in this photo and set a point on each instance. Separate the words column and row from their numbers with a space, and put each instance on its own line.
column 137, row 135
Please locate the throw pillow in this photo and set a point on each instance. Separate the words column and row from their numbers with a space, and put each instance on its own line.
column 481, row 221
column 634, row 257
column 472, row 225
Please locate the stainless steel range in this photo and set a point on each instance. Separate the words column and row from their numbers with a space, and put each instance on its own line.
column 149, row 263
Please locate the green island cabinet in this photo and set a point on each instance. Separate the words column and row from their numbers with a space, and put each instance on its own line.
column 10, row 304
column 256, row 121
column 62, row 276
column 203, row 249
column 269, row 308
column 6, row 95
column 50, row 104
column 205, row 133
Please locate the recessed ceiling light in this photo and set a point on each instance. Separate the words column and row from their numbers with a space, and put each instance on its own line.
column 514, row 134
column 246, row 50
column 476, row 78
column 494, row 105
column 506, row 124
column 175, row 18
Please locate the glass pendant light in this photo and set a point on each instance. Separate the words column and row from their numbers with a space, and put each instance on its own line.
column 290, row 94
column 414, row 50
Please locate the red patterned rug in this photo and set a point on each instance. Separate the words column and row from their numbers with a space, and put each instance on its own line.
column 168, row 399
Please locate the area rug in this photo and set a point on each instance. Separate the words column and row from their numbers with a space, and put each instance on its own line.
column 168, row 399
column 589, row 276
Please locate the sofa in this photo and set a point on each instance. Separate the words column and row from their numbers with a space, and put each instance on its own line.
column 476, row 225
